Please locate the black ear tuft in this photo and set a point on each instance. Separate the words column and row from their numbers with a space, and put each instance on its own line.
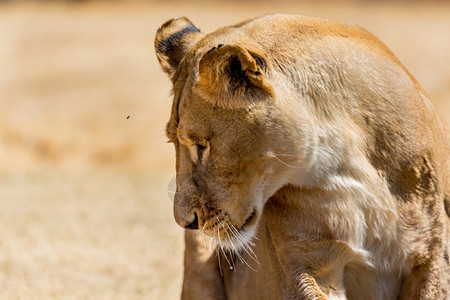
column 173, row 40
column 171, row 43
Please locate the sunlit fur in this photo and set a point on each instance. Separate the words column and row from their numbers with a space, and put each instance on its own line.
column 311, row 161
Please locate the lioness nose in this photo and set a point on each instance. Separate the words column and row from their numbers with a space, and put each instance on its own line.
column 194, row 224
column 185, row 216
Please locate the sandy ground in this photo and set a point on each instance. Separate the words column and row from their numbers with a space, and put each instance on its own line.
column 84, row 211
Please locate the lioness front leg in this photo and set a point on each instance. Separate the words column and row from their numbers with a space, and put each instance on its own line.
column 202, row 279
column 309, row 289
column 327, row 285
column 323, row 268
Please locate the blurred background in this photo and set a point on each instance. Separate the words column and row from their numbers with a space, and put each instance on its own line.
column 84, row 164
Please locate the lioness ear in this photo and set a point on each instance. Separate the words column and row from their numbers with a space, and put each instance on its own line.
column 233, row 77
column 173, row 40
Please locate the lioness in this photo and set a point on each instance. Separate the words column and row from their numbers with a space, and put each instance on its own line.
column 312, row 158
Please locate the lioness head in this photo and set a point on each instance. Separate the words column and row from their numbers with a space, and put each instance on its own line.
column 226, row 130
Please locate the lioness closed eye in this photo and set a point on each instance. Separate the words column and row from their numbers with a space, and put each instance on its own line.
column 310, row 164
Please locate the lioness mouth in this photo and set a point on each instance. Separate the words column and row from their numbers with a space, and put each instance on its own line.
column 250, row 219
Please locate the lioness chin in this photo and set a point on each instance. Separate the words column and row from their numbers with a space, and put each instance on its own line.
column 312, row 158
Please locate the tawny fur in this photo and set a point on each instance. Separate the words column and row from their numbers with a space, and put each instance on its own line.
column 310, row 160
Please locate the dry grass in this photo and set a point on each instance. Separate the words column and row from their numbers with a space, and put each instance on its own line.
column 102, row 235
column 83, row 207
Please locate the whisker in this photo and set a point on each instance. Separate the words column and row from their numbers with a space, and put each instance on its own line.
column 242, row 259
column 245, row 245
column 287, row 165
column 281, row 154
column 231, row 253
column 218, row 259
column 237, row 250
column 221, row 245
column 203, row 228
column 241, row 238
column 218, row 254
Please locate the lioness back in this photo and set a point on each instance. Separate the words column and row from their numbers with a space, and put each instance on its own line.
column 310, row 160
